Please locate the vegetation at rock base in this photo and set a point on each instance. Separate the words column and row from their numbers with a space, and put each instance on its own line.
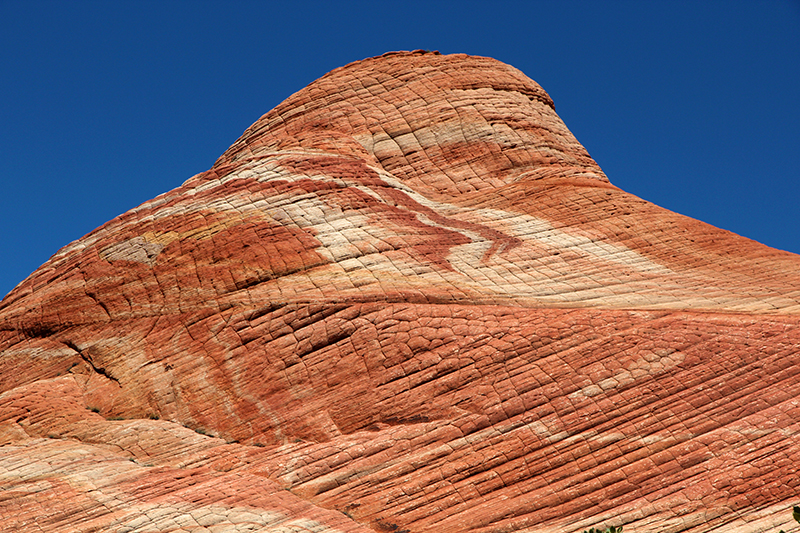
column 795, row 515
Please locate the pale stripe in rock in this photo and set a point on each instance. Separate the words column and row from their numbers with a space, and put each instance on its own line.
column 180, row 517
column 94, row 471
column 531, row 270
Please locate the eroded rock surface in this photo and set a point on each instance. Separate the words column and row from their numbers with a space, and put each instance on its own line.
column 406, row 299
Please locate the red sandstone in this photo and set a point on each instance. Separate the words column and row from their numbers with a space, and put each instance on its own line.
column 406, row 299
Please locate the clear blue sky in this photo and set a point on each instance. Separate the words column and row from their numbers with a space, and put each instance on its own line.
column 694, row 106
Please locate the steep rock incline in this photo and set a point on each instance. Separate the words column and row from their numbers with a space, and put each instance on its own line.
column 406, row 299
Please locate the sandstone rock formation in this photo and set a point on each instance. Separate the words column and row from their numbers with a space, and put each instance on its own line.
column 407, row 300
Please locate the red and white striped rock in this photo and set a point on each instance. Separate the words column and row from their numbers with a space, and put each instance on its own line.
column 406, row 299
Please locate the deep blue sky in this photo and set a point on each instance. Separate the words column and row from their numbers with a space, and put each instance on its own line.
column 694, row 106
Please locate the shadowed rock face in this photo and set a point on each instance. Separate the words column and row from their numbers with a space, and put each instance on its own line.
column 406, row 299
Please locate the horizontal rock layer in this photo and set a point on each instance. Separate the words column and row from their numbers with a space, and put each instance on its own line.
column 406, row 299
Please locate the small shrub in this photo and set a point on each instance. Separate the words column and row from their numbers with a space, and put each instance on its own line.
column 795, row 515
column 609, row 529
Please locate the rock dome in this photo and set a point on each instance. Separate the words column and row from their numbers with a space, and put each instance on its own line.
column 406, row 299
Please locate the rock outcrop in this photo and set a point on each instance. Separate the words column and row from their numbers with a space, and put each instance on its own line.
column 406, row 299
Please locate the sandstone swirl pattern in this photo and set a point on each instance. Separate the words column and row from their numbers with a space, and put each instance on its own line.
column 406, row 299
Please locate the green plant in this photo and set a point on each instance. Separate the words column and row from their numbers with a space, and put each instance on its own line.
column 795, row 515
column 609, row 529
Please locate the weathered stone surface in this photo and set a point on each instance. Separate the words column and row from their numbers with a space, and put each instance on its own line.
column 406, row 299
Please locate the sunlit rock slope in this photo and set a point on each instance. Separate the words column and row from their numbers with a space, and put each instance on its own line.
column 406, row 299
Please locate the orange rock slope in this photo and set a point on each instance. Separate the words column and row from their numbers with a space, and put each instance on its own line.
column 407, row 300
